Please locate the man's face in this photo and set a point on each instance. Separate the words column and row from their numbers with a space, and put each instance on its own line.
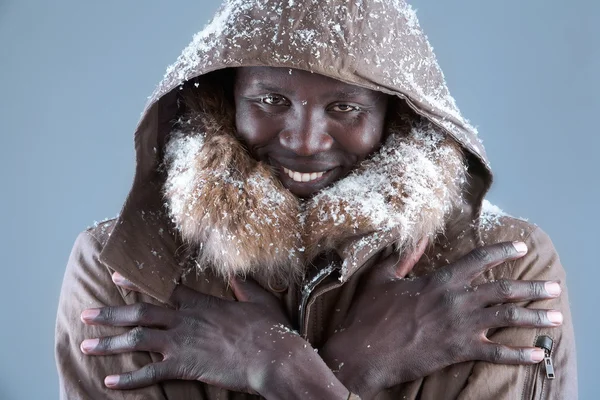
column 313, row 130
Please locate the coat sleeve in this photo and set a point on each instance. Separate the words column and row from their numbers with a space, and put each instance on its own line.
column 87, row 284
column 490, row 381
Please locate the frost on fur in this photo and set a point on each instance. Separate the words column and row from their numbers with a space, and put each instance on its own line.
column 410, row 186
column 228, row 206
column 235, row 211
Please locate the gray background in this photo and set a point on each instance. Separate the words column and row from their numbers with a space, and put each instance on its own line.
column 74, row 76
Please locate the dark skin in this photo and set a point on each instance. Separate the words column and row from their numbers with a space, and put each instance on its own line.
column 310, row 124
column 307, row 123
column 441, row 312
column 249, row 343
column 244, row 346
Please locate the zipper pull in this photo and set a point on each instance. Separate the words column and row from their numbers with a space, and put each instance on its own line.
column 549, row 366
column 546, row 343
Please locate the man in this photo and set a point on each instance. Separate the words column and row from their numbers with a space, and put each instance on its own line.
column 314, row 147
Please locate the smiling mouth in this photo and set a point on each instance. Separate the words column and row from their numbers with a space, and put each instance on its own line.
column 303, row 176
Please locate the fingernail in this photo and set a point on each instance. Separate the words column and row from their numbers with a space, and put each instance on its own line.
column 520, row 247
column 111, row 380
column 555, row 317
column 89, row 344
column 553, row 288
column 117, row 277
column 538, row 355
column 90, row 314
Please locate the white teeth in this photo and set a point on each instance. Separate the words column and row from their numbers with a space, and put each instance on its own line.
column 303, row 177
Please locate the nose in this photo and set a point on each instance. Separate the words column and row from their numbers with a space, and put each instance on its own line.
column 306, row 133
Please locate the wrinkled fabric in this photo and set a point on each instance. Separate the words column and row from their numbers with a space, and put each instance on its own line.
column 375, row 44
column 88, row 284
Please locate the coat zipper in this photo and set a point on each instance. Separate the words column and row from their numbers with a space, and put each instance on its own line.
column 307, row 290
column 546, row 343
column 537, row 391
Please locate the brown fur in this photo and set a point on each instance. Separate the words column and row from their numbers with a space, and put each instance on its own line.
column 243, row 221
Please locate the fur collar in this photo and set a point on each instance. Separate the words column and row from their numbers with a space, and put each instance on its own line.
column 241, row 220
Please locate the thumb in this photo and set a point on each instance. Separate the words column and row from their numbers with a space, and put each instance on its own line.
column 120, row 280
column 396, row 266
column 247, row 290
column 408, row 263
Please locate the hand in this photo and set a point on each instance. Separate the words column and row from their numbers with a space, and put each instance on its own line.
column 401, row 330
column 240, row 346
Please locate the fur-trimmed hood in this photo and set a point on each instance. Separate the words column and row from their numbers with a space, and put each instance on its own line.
column 373, row 44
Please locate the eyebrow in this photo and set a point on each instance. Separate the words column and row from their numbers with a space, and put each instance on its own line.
column 266, row 88
column 349, row 92
column 342, row 93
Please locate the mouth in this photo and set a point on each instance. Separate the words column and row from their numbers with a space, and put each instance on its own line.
column 304, row 177
column 305, row 184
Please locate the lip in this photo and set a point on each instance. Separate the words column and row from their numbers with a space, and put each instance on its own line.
column 307, row 167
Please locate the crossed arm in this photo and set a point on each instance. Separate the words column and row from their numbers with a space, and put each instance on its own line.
column 246, row 346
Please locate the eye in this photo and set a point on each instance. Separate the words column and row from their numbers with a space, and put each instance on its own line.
column 344, row 108
column 274, row 100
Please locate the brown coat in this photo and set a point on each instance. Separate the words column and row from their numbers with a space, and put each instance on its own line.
column 377, row 45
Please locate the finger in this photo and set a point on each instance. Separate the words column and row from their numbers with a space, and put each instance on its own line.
column 144, row 314
column 396, row 266
column 251, row 292
column 120, row 280
column 137, row 339
column 499, row 354
column 512, row 316
column 485, row 258
column 505, row 290
column 407, row 264
column 145, row 376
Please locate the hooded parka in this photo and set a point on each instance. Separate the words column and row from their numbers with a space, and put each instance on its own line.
column 196, row 185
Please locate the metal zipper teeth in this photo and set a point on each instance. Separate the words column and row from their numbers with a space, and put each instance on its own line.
column 306, row 292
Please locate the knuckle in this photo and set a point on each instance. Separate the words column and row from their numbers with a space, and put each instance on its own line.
column 449, row 299
column 537, row 289
column 126, row 379
column 141, row 311
column 441, row 276
column 511, row 314
column 190, row 368
column 107, row 314
column 540, row 318
column 150, row 373
column 497, row 355
column 105, row 344
column 505, row 288
column 523, row 357
column 507, row 250
column 454, row 354
column 482, row 254
column 135, row 336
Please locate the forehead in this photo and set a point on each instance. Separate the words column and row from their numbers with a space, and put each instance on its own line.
column 294, row 80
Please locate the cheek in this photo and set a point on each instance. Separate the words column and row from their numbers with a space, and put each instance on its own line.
column 363, row 139
column 254, row 131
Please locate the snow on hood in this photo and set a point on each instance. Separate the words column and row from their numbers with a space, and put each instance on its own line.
column 376, row 44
